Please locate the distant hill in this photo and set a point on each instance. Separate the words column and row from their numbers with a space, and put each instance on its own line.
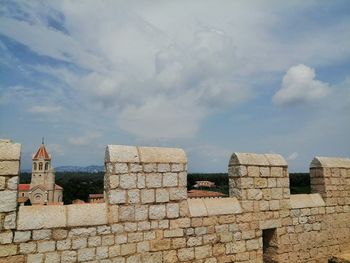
column 73, row 168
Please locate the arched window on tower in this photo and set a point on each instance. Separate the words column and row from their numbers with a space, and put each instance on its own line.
column 46, row 166
column 40, row 166
column 34, row 166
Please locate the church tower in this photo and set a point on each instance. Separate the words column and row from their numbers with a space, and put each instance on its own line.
column 42, row 184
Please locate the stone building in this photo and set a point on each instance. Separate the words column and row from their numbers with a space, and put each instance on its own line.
column 42, row 189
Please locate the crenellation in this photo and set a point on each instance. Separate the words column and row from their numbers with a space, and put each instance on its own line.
column 147, row 216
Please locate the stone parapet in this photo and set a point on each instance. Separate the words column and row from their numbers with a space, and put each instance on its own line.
column 148, row 218
column 145, row 182
column 9, row 170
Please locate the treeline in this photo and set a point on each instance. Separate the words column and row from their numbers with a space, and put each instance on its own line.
column 78, row 185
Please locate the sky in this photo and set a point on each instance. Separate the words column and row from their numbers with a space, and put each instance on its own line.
column 211, row 77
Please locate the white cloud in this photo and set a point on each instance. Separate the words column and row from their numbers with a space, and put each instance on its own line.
column 45, row 109
column 162, row 118
column 170, row 62
column 84, row 139
column 292, row 156
column 300, row 86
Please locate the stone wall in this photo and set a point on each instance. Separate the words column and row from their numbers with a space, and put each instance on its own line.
column 148, row 218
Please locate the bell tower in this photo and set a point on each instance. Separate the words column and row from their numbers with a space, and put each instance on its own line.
column 42, row 173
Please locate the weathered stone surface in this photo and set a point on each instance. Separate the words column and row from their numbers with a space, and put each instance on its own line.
column 157, row 211
column 12, row 183
column 6, row 237
column 162, row 155
column 121, row 153
column 8, row 250
column 117, row 196
column 306, row 200
column 9, row 167
column 2, row 182
column 132, row 154
column 38, row 217
column 22, row 236
column 87, row 215
column 9, row 150
column 330, row 162
column 197, row 207
column 8, row 201
column 257, row 159
column 222, row 206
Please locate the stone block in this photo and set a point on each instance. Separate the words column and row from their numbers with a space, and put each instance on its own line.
column 87, row 214
column 121, row 153
column 9, row 150
column 2, row 182
column 134, row 196
column 8, row 250
column 163, row 167
column 127, row 213
column 162, row 155
column 141, row 212
column 53, row 257
column 235, row 247
column 9, row 167
column 10, row 220
column 8, row 201
column 162, row 195
column 46, row 246
column 121, row 168
column 222, row 206
column 270, row 223
column 117, row 196
column 254, row 194
column 153, row 180
column 6, row 237
column 127, row 181
column 185, row 254
column 203, row 252
column 197, row 208
column 86, row 254
column 157, row 211
column 12, row 183
column 170, row 179
column 179, row 193
column 35, row 258
column 331, row 162
column 248, row 159
column 306, row 200
column 22, row 236
column 113, row 181
column 147, row 196
column 172, row 210
column 27, row 248
column 183, row 179
column 38, row 217
column 43, row 234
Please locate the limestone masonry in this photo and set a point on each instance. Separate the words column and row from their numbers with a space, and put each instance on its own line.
column 148, row 218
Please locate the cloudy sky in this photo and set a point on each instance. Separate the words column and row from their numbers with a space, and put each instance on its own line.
column 212, row 77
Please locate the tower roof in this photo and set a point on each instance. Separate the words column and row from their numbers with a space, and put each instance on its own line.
column 41, row 153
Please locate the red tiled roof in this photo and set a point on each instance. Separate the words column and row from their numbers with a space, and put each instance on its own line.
column 202, row 193
column 96, row 196
column 41, row 153
column 23, row 187
column 26, row 187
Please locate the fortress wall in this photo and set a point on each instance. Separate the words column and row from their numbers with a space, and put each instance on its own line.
column 148, row 218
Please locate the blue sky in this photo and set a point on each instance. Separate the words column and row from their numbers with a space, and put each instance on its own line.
column 210, row 77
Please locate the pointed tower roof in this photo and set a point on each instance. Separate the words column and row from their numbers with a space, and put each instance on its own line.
column 41, row 153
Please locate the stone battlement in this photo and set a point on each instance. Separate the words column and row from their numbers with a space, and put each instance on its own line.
column 147, row 217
